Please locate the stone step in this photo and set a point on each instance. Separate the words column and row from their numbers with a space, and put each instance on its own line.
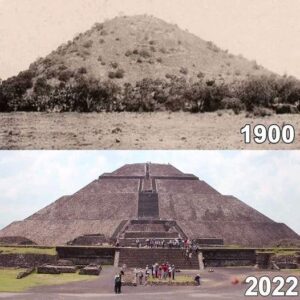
column 141, row 234
column 148, row 205
column 131, row 242
column 139, row 258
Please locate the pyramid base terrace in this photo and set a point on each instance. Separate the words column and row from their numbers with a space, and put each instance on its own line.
column 140, row 257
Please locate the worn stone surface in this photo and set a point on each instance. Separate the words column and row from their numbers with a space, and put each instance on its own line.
column 103, row 207
column 55, row 269
column 13, row 260
column 25, row 273
column 91, row 270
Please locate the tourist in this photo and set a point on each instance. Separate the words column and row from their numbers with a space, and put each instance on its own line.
column 118, row 283
column 148, row 243
column 197, row 279
column 170, row 272
column 160, row 272
column 165, row 271
column 137, row 242
column 141, row 276
column 173, row 272
column 156, row 267
column 151, row 243
column 147, row 274
column 136, row 273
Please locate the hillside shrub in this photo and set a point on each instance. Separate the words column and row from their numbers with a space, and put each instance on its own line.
column 144, row 53
column 114, row 65
column 128, row 53
column 82, row 70
column 184, row 70
column 118, row 74
column 88, row 44
column 66, row 75
column 262, row 112
column 232, row 103
column 257, row 91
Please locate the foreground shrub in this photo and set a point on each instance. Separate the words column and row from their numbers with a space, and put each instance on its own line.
column 119, row 74
column 233, row 103
column 262, row 112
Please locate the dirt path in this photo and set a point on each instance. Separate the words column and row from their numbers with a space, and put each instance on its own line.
column 134, row 131
column 216, row 285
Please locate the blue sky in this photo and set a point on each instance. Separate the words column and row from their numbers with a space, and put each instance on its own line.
column 265, row 180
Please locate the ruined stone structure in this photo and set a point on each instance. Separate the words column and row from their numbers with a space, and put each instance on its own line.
column 142, row 201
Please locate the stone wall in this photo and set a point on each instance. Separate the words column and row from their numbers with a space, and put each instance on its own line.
column 87, row 255
column 13, row 260
column 229, row 257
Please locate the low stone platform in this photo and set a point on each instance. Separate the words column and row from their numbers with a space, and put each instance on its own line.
column 50, row 269
column 91, row 270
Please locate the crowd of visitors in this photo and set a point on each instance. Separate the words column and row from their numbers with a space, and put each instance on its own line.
column 162, row 271
column 168, row 243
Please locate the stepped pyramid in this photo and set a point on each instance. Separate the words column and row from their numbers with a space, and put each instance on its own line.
column 145, row 201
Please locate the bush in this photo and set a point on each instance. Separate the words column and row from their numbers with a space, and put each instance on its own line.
column 262, row 112
column 41, row 87
column 114, row 65
column 233, row 103
column 65, row 76
column 128, row 53
column 145, row 54
column 257, row 91
column 103, row 33
column 82, row 70
column 98, row 26
column 200, row 75
column 184, row 71
column 119, row 74
column 88, row 44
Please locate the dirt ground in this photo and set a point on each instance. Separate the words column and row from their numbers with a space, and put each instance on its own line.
column 216, row 285
column 161, row 130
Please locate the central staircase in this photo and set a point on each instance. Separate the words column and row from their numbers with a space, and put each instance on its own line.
column 146, row 229
column 141, row 257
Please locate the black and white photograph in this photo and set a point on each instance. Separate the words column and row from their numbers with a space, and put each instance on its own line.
column 148, row 74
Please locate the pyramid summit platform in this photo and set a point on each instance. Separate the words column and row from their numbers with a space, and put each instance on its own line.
column 145, row 201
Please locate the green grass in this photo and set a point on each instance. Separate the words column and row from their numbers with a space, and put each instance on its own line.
column 291, row 271
column 27, row 250
column 179, row 278
column 9, row 283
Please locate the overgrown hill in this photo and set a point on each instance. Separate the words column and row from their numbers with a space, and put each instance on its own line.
column 142, row 63
column 127, row 49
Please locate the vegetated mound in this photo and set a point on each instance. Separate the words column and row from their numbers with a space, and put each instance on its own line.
column 142, row 63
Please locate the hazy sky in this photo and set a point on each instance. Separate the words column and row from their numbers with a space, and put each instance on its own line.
column 265, row 30
column 266, row 180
